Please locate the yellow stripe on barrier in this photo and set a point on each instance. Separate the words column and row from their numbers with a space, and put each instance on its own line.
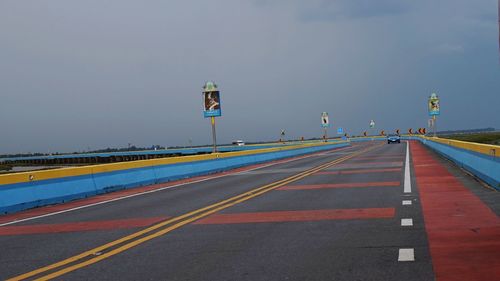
column 103, row 168
column 44, row 175
column 488, row 149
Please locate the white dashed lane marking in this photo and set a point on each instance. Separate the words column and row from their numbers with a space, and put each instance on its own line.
column 407, row 186
column 406, row 222
column 406, row 254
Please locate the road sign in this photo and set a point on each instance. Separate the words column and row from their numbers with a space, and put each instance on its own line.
column 211, row 100
column 211, row 107
column 372, row 124
column 340, row 130
column 325, row 123
column 433, row 105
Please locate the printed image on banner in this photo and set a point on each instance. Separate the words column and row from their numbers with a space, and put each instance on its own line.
column 324, row 120
column 434, row 105
column 211, row 104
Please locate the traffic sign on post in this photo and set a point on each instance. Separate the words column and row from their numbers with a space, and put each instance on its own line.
column 211, row 100
column 434, row 108
column 372, row 125
column 325, row 122
column 282, row 135
column 340, row 130
column 211, row 107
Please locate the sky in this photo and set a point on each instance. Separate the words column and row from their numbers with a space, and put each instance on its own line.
column 80, row 75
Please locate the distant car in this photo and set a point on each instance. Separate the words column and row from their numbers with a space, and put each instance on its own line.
column 393, row 138
column 239, row 142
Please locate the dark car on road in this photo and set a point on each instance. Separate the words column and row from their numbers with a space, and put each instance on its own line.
column 393, row 138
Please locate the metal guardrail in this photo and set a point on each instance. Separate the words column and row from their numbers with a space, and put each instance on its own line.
column 111, row 167
column 182, row 151
column 160, row 153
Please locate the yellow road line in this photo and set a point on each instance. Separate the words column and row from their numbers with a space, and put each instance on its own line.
column 181, row 221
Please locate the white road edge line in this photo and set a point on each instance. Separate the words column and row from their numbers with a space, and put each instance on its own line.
column 406, row 254
column 146, row 192
column 406, row 222
column 407, row 186
column 407, row 202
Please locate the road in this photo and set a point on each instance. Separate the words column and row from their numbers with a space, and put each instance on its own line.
column 353, row 213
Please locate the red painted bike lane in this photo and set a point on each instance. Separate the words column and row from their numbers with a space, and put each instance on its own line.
column 463, row 232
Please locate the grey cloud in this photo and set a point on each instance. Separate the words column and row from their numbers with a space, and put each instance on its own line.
column 75, row 74
column 449, row 48
column 488, row 18
column 325, row 10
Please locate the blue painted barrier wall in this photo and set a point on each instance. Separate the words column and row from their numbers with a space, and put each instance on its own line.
column 25, row 195
column 486, row 167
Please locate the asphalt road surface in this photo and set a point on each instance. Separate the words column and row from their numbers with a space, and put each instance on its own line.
column 372, row 211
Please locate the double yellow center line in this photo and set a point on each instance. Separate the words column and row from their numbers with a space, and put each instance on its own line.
column 115, row 247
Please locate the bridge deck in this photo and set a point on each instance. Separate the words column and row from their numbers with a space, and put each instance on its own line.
column 346, row 214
